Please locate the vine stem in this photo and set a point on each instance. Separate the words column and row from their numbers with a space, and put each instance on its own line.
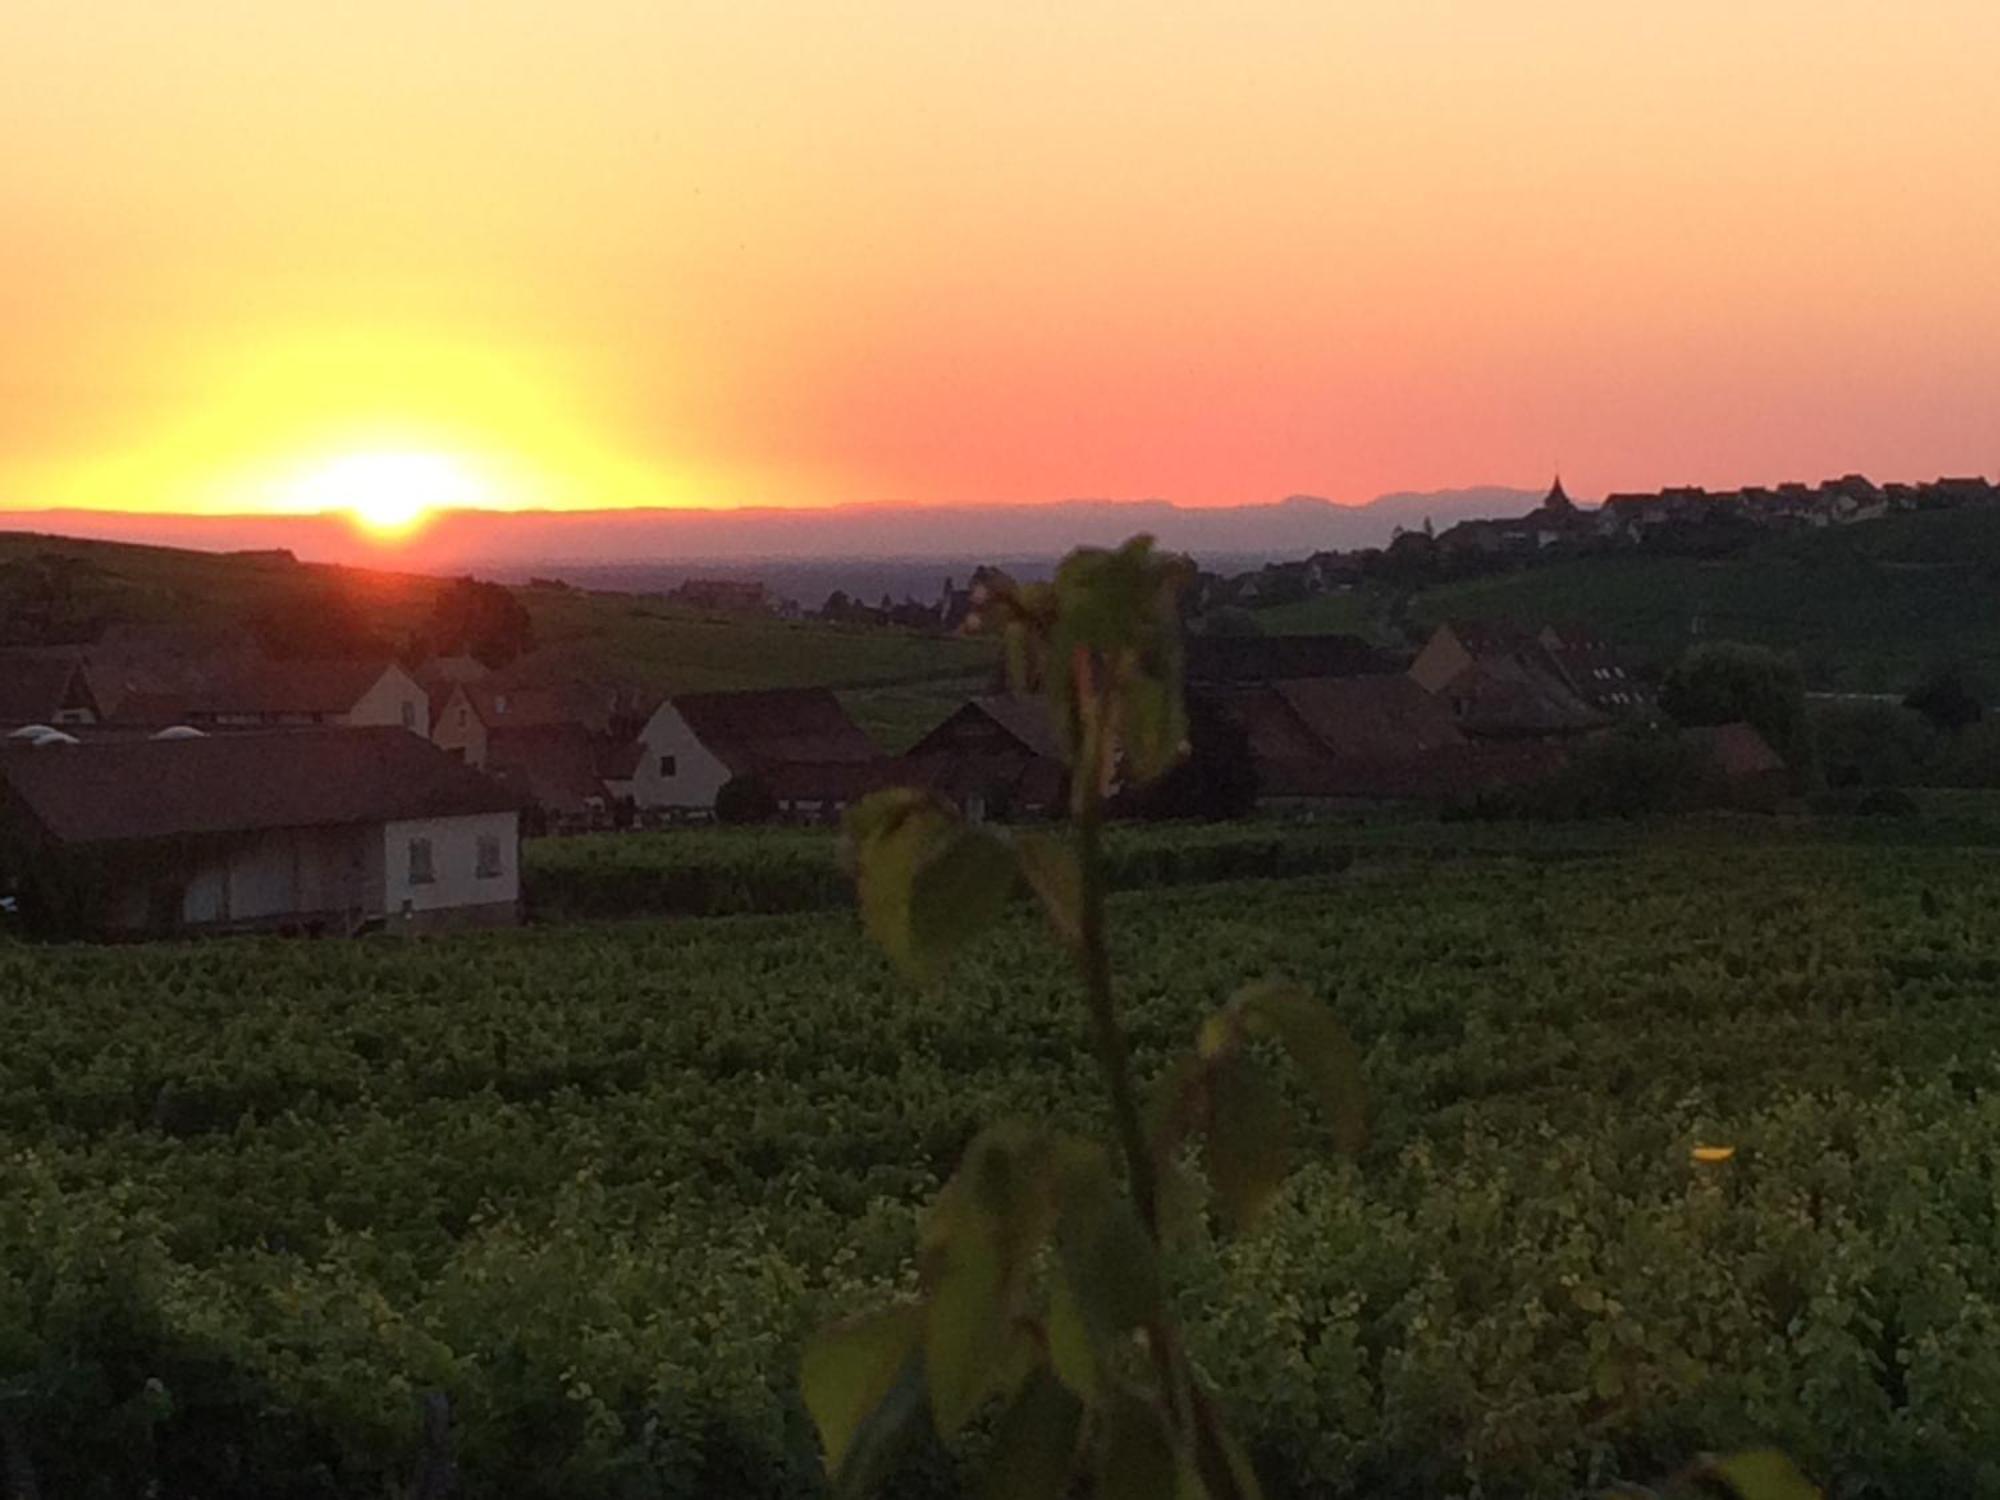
column 1115, row 1063
column 1108, row 1037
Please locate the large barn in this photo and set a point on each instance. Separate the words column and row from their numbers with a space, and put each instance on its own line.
column 328, row 830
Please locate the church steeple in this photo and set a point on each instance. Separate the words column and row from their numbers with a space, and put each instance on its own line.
column 1557, row 500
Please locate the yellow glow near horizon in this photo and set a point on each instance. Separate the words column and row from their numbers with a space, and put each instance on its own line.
column 389, row 494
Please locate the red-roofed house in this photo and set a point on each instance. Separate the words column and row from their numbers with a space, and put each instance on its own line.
column 1360, row 741
column 994, row 756
column 475, row 711
column 1502, row 682
column 318, row 829
column 695, row 743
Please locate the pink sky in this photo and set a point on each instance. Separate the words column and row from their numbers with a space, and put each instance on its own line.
column 628, row 253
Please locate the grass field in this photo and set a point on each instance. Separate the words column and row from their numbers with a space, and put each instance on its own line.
column 1864, row 608
column 593, row 1181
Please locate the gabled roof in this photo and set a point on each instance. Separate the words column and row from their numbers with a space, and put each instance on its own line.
column 135, row 789
column 35, row 687
column 750, row 731
column 504, row 705
column 1737, row 750
column 265, row 689
column 1517, row 694
column 1371, row 718
column 1023, row 719
column 562, row 766
column 1268, row 658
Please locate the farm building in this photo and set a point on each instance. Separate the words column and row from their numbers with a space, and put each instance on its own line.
column 268, row 694
column 798, row 741
column 1364, row 741
column 473, row 712
column 319, row 830
column 1503, row 682
column 995, row 756
column 570, row 777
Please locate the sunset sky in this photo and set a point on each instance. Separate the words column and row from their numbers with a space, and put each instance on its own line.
column 625, row 252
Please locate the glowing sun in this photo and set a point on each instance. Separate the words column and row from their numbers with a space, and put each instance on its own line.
column 388, row 493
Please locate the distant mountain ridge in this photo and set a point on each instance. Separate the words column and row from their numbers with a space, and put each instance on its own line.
column 545, row 541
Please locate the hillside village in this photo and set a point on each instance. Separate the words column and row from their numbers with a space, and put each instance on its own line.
column 183, row 777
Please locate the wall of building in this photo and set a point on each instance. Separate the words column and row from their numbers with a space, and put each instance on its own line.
column 698, row 772
column 1442, row 659
column 459, row 728
column 396, row 698
column 270, row 878
column 455, row 881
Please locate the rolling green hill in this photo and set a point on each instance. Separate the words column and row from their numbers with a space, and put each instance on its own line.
column 897, row 682
column 1864, row 608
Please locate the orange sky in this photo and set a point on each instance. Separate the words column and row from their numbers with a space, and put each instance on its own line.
column 659, row 252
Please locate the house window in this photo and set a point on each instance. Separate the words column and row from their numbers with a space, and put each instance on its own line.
column 461, row 716
column 489, row 856
column 422, row 870
column 499, row 703
column 409, row 715
column 669, row 766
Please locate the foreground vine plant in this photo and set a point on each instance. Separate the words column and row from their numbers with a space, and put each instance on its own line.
column 1039, row 1264
column 1042, row 1294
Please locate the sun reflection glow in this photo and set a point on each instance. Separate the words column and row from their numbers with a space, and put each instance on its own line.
column 389, row 494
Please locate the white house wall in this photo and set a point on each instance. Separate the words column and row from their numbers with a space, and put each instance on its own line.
column 459, row 728
column 698, row 773
column 396, row 698
column 454, row 863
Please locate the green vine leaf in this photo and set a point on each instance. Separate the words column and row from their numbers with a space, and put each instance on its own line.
column 1072, row 1351
column 1050, row 867
column 1135, row 1455
column 864, row 1384
column 1109, row 1264
column 983, row 1233
column 929, row 882
column 1248, row 1139
column 1036, row 1445
column 1319, row 1048
column 1763, row 1474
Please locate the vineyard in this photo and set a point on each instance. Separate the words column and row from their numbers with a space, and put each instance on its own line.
column 551, row 1209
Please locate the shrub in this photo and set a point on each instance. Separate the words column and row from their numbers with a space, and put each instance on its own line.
column 1970, row 758
column 1872, row 744
column 1632, row 774
column 745, row 799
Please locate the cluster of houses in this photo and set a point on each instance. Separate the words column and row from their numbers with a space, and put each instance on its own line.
column 151, row 785
column 1687, row 517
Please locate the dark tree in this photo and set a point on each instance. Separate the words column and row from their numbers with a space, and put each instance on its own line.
column 1724, row 682
column 484, row 620
column 321, row 623
column 1946, row 700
